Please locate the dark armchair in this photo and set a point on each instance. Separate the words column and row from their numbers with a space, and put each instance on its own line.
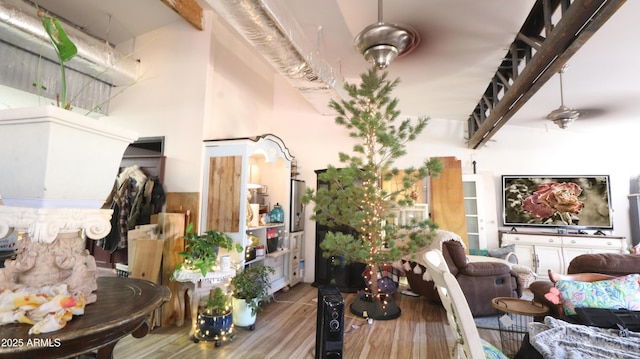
column 480, row 281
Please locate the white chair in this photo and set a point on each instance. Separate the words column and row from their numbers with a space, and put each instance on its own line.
column 468, row 343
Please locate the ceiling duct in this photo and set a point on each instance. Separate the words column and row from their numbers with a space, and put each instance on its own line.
column 20, row 27
column 272, row 32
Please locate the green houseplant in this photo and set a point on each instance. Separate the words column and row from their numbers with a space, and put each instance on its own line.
column 356, row 197
column 64, row 48
column 217, row 303
column 201, row 250
column 215, row 319
column 248, row 288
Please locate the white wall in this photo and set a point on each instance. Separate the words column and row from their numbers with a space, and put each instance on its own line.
column 169, row 99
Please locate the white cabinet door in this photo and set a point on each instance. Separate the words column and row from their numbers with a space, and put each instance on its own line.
column 526, row 255
column 524, row 249
column 296, row 241
column 539, row 252
column 549, row 258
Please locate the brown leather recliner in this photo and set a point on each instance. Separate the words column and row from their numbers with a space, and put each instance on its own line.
column 614, row 264
column 480, row 281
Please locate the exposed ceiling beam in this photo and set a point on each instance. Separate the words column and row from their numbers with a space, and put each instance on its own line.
column 543, row 56
column 189, row 10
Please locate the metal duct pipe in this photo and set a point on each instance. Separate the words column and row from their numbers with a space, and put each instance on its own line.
column 20, row 26
column 273, row 33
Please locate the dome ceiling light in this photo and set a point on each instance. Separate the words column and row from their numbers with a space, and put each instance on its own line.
column 381, row 43
column 563, row 116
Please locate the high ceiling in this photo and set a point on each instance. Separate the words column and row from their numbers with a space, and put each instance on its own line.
column 462, row 43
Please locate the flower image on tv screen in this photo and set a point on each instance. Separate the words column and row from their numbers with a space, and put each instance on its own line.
column 581, row 202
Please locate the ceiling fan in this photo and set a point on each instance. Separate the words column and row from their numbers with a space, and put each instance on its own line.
column 381, row 43
column 563, row 116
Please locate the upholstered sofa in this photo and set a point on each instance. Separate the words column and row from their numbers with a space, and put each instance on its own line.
column 480, row 281
column 605, row 263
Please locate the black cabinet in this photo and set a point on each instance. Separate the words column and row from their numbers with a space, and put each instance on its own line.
column 347, row 277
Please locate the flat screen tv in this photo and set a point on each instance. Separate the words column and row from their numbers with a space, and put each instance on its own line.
column 573, row 202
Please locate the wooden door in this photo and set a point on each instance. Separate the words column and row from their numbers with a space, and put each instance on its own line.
column 447, row 199
column 223, row 200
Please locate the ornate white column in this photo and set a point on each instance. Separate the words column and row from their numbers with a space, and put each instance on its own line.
column 51, row 247
column 43, row 225
column 58, row 169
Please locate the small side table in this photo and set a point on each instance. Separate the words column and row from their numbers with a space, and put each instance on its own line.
column 513, row 325
column 197, row 286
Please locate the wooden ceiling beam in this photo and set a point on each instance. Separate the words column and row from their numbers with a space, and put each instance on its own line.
column 189, row 10
column 579, row 20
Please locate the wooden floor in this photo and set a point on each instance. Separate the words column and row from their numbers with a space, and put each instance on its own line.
column 286, row 329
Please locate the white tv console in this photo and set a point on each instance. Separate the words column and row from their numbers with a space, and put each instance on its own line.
column 543, row 251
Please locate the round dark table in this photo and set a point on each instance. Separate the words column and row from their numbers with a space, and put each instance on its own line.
column 123, row 306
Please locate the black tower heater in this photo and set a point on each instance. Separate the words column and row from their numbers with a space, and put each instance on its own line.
column 330, row 323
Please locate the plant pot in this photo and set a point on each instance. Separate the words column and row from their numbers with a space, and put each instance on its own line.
column 242, row 315
column 367, row 306
column 215, row 328
column 55, row 158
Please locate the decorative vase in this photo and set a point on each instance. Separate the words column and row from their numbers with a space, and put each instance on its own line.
column 277, row 214
column 242, row 313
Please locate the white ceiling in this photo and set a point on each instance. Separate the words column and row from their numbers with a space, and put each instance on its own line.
column 462, row 42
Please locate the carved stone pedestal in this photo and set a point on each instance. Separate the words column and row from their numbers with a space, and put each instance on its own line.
column 58, row 168
column 51, row 247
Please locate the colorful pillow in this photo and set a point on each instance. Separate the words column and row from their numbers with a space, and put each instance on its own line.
column 491, row 352
column 618, row 293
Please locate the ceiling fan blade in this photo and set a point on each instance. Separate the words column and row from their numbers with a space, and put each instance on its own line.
column 591, row 113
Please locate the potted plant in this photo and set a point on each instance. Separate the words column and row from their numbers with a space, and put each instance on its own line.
column 50, row 138
column 201, row 250
column 215, row 319
column 248, row 288
column 64, row 48
column 356, row 197
column 61, row 171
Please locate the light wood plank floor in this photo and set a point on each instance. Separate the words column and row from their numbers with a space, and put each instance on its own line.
column 286, row 329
